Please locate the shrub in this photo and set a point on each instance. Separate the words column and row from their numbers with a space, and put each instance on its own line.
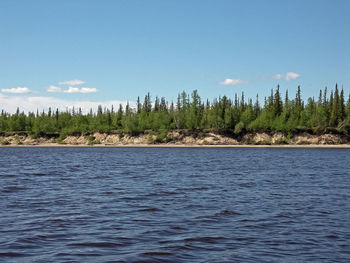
column 200, row 135
column 93, row 141
column 303, row 143
column 34, row 135
column 239, row 128
column 264, row 142
column 4, row 142
column 61, row 138
column 162, row 136
column 282, row 141
column 120, row 134
column 96, row 142
column 18, row 140
column 248, row 141
column 150, row 139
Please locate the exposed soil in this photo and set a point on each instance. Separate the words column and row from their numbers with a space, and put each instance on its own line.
column 181, row 137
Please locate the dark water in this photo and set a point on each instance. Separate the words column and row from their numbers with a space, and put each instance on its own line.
column 174, row 205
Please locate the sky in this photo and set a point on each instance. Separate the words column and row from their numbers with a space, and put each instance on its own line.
column 85, row 53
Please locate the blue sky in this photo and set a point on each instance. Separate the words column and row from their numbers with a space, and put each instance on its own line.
column 121, row 49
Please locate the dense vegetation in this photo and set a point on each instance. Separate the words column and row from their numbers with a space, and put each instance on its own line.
column 237, row 115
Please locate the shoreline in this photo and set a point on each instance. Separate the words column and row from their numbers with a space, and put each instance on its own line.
column 181, row 139
column 290, row 146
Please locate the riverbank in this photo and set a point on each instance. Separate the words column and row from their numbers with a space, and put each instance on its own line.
column 289, row 146
column 181, row 138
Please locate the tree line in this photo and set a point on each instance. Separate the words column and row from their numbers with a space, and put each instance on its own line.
column 330, row 112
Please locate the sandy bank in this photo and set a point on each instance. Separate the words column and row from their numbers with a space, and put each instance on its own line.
column 182, row 139
column 339, row 146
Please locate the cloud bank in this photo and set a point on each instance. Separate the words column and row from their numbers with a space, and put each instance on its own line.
column 18, row 90
column 31, row 104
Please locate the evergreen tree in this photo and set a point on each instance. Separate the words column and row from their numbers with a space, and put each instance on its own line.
column 298, row 97
column 257, row 106
column 278, row 106
column 163, row 104
column 234, row 115
column 156, row 104
column 341, row 107
column 139, row 107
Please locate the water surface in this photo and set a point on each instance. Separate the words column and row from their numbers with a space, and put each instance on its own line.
column 174, row 205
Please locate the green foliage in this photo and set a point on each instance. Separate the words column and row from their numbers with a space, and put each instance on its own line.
column 249, row 141
column 92, row 140
column 191, row 113
column 239, row 128
column 60, row 139
column 282, row 141
column 150, row 139
column 162, row 136
column 18, row 140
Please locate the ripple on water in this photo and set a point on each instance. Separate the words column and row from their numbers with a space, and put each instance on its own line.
column 205, row 239
column 149, row 209
column 13, row 189
column 12, row 254
column 96, row 244
column 174, row 205
column 228, row 213
column 39, row 174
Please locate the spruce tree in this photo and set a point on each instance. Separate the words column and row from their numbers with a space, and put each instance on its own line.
column 319, row 102
column 278, row 106
column 341, row 107
column 242, row 104
column 286, row 99
column 298, row 97
column 332, row 111
column 139, row 106
column 163, row 104
column 257, row 106
column 156, row 104
column 56, row 115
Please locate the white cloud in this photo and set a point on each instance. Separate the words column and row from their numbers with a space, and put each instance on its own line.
column 74, row 82
column 18, row 90
column 54, row 89
column 80, row 90
column 88, row 90
column 26, row 104
column 72, row 90
column 277, row 76
column 232, row 82
column 291, row 75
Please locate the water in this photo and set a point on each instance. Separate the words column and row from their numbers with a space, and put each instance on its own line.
column 174, row 205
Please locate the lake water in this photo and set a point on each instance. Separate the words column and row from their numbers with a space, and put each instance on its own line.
column 174, row 205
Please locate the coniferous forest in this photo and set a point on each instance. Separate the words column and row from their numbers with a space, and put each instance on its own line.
column 330, row 112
